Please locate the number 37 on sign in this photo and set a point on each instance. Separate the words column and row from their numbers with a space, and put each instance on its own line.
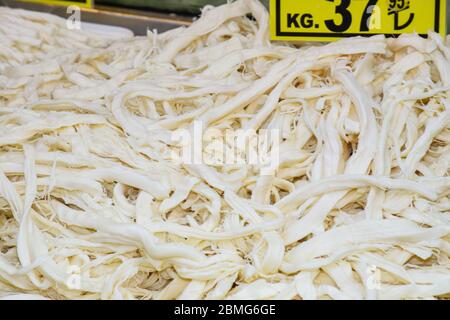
column 329, row 20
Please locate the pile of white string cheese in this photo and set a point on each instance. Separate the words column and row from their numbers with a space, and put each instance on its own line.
column 93, row 204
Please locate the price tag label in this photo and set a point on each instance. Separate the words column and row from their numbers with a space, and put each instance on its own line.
column 68, row 3
column 329, row 20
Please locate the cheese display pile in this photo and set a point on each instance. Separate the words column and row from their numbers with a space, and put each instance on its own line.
column 94, row 205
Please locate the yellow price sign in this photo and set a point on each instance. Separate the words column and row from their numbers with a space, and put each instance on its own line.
column 329, row 20
column 79, row 3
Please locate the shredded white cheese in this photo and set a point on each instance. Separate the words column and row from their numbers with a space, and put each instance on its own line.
column 94, row 205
